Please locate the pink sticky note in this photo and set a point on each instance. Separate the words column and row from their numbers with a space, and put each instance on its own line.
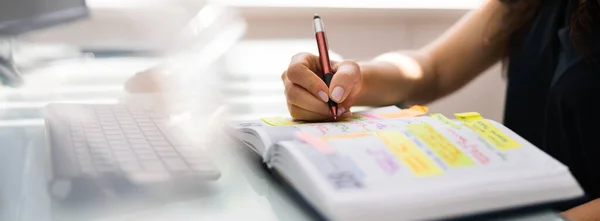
column 315, row 142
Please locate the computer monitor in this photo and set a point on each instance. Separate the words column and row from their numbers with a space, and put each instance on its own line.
column 21, row 16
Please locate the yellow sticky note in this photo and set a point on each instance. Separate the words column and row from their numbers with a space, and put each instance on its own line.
column 487, row 130
column 413, row 111
column 443, row 119
column 278, row 121
column 440, row 145
column 408, row 152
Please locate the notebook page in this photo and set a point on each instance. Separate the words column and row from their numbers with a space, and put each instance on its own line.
column 420, row 155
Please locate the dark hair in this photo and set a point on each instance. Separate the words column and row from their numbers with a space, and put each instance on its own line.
column 584, row 22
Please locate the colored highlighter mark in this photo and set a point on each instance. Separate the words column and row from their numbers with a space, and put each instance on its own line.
column 323, row 129
column 449, row 153
column 488, row 131
column 405, row 150
column 279, row 121
column 370, row 116
column 427, row 151
column 386, row 162
column 346, row 136
column 471, row 147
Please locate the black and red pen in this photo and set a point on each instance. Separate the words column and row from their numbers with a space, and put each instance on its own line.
column 327, row 74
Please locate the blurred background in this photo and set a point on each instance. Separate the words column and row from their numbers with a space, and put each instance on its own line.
column 208, row 54
column 241, row 46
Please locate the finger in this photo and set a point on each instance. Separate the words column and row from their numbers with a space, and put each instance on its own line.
column 301, row 114
column 347, row 74
column 301, row 71
column 300, row 97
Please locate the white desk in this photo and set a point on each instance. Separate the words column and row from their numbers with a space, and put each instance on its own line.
column 244, row 192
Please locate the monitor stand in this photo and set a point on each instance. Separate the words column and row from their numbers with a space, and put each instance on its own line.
column 9, row 75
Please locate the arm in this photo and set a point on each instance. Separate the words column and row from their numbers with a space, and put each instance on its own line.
column 440, row 67
column 589, row 211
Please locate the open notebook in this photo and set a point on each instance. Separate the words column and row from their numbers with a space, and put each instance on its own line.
column 386, row 164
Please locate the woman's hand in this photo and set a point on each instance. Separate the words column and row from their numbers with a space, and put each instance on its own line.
column 307, row 94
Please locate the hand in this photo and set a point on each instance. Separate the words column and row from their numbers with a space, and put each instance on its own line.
column 307, row 94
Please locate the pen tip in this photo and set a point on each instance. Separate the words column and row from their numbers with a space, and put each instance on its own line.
column 316, row 16
column 334, row 112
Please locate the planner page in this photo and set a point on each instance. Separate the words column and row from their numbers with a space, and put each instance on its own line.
column 424, row 158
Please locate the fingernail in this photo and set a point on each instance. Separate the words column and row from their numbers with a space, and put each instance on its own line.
column 337, row 93
column 323, row 96
column 341, row 111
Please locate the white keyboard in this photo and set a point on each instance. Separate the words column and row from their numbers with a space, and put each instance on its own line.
column 137, row 144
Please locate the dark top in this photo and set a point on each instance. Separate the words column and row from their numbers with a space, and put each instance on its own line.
column 552, row 95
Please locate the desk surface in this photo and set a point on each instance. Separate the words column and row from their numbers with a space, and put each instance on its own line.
column 244, row 192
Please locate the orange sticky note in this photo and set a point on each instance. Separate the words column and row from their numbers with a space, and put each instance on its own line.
column 315, row 142
column 346, row 136
column 413, row 111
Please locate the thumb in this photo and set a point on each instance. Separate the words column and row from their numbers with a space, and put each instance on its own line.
column 347, row 74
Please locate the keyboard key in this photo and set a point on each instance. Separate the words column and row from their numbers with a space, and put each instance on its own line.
column 95, row 140
column 155, row 138
column 143, row 151
column 153, row 133
column 150, row 129
column 138, row 141
column 90, row 135
column 93, row 130
column 135, row 135
column 168, row 154
column 98, row 145
column 175, row 164
column 141, row 146
column 144, row 120
column 163, row 148
column 132, row 131
column 117, row 142
column 131, row 167
column 152, row 165
column 91, row 125
column 111, row 127
column 148, row 156
column 109, row 123
column 141, row 124
column 158, row 143
column 125, row 155
column 115, row 137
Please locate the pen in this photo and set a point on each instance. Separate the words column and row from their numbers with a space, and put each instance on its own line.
column 324, row 59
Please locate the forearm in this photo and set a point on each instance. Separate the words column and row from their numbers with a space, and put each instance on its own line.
column 589, row 211
column 441, row 67
column 397, row 78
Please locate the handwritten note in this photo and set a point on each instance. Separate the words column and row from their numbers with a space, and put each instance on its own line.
column 405, row 150
column 413, row 111
column 470, row 146
column 443, row 119
column 386, row 162
column 488, row 131
column 279, row 121
column 449, row 153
